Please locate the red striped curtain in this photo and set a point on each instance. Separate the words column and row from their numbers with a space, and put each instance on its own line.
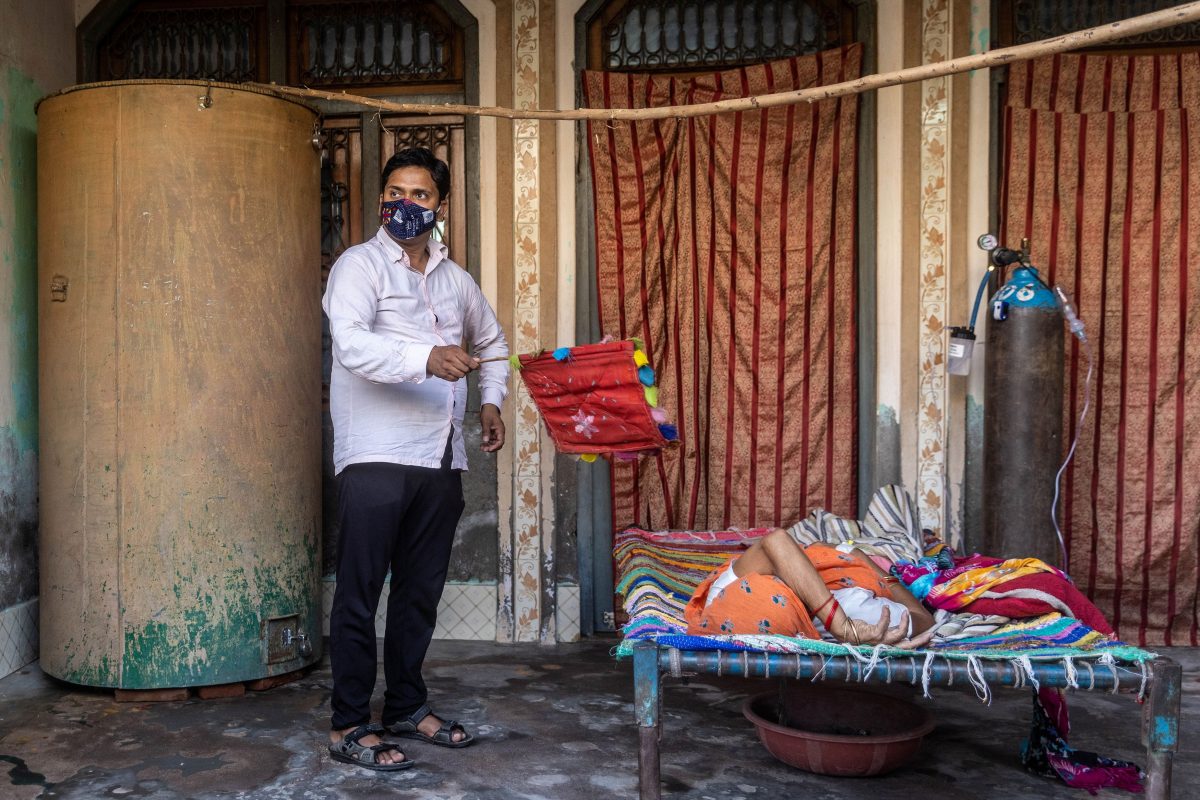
column 1102, row 155
column 726, row 244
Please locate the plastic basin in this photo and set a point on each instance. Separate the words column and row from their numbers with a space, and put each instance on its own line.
column 835, row 731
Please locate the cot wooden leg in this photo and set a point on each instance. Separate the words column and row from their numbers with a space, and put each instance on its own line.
column 1160, row 727
column 647, row 702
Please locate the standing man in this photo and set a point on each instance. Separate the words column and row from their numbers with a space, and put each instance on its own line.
column 399, row 310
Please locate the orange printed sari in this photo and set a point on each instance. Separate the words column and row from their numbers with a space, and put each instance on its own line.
column 765, row 604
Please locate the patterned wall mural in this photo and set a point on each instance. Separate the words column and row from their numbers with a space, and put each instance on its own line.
column 521, row 556
column 933, row 283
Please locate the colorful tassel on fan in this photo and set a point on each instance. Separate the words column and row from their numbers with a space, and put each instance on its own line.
column 562, row 380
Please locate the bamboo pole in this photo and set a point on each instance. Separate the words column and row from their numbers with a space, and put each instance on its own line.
column 1090, row 37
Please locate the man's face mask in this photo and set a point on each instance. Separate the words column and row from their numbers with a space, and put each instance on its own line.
column 404, row 219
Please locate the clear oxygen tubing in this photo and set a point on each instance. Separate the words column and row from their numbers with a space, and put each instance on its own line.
column 1075, row 325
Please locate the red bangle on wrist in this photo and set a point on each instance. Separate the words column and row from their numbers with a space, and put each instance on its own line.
column 833, row 610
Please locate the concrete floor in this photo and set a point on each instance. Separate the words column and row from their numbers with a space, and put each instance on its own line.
column 553, row 723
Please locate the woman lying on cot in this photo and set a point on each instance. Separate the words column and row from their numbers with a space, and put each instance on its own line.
column 779, row 587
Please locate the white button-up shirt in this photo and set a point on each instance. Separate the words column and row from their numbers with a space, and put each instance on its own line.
column 385, row 318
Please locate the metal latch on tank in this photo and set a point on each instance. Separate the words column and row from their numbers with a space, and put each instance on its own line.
column 58, row 289
column 286, row 640
column 304, row 646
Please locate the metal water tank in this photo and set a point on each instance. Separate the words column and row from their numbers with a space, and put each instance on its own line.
column 179, row 384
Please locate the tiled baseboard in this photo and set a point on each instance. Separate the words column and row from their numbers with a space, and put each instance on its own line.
column 18, row 636
column 567, row 612
column 468, row 611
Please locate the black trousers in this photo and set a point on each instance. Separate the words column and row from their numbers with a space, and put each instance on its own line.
column 402, row 518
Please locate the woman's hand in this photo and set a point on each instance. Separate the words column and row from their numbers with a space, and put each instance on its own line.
column 858, row 632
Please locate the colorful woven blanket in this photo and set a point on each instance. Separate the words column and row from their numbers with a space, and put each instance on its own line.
column 1047, row 753
column 658, row 571
column 1052, row 637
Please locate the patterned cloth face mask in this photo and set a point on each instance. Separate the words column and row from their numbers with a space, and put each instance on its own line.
column 405, row 219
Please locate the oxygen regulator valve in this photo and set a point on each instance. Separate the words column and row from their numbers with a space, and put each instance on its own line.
column 962, row 338
column 1025, row 288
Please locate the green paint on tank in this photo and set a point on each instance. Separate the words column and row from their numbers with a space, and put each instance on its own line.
column 89, row 673
column 207, row 640
column 974, row 417
column 20, row 242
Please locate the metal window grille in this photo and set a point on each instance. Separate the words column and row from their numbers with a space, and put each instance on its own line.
column 435, row 137
column 341, row 204
column 652, row 35
column 1024, row 21
column 218, row 43
column 373, row 43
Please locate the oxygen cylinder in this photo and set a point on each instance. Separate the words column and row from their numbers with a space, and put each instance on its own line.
column 1022, row 439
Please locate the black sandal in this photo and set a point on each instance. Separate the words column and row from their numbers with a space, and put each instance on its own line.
column 407, row 729
column 349, row 751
